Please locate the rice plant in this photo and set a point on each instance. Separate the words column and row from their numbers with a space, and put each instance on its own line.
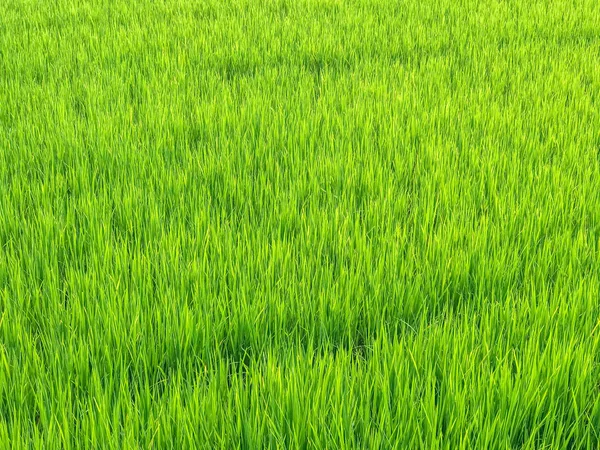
column 328, row 224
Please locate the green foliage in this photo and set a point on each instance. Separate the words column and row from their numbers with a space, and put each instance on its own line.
column 300, row 224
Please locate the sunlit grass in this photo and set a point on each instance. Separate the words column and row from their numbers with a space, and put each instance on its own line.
column 312, row 224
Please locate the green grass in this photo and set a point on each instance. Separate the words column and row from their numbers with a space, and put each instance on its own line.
column 300, row 224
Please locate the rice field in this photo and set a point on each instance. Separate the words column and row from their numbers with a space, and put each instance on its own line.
column 311, row 224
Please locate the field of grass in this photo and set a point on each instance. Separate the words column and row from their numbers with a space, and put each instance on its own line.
column 300, row 224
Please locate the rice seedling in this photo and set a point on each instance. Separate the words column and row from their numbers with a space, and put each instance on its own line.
column 300, row 224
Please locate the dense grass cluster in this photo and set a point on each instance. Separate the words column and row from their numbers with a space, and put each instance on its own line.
column 300, row 224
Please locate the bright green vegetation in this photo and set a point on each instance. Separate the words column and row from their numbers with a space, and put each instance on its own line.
column 300, row 224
